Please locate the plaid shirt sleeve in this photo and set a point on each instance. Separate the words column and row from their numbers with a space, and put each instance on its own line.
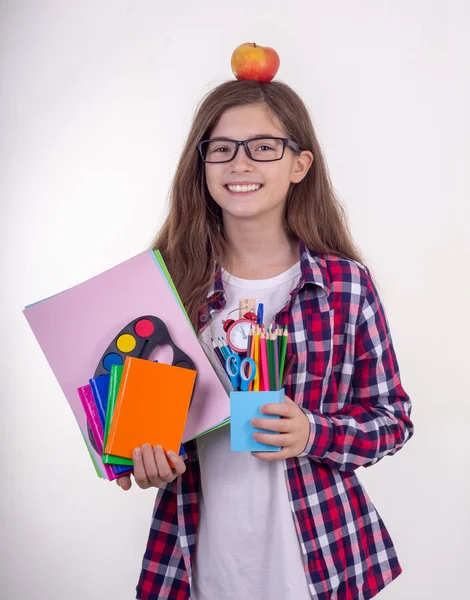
column 376, row 421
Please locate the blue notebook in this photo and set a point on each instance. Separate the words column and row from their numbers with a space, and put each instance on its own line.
column 99, row 386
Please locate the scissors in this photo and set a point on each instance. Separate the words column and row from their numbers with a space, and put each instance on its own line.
column 241, row 372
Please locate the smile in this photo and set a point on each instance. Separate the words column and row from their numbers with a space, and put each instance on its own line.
column 243, row 189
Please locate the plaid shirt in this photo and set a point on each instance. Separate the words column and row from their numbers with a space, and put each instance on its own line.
column 346, row 380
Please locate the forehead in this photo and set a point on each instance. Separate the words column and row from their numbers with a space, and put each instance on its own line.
column 243, row 122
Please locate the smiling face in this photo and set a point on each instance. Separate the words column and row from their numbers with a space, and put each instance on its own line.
column 241, row 123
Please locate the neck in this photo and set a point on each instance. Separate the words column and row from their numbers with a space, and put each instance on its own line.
column 258, row 251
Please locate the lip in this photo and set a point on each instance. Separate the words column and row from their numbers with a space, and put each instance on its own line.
column 243, row 183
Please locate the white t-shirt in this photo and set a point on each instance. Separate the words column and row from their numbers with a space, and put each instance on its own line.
column 246, row 546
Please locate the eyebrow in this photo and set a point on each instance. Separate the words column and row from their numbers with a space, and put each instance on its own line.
column 257, row 135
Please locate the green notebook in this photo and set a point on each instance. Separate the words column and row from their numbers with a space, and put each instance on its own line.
column 114, row 382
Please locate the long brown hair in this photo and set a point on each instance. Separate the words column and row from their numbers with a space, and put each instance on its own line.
column 192, row 239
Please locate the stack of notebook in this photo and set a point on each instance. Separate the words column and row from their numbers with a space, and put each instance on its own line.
column 99, row 338
column 138, row 402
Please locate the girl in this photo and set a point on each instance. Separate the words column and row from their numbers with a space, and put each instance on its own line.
column 253, row 216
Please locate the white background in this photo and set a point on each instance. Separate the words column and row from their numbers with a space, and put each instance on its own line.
column 96, row 100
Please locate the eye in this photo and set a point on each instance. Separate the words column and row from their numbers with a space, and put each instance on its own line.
column 218, row 149
column 264, row 146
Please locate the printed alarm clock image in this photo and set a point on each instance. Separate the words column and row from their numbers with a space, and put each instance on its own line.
column 236, row 331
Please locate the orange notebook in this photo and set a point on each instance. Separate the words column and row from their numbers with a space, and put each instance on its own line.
column 151, row 407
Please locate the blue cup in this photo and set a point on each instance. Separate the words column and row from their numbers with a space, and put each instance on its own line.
column 245, row 406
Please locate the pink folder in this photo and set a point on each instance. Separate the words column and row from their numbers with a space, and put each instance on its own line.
column 75, row 327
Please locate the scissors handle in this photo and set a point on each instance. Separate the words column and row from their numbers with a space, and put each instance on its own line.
column 247, row 373
column 232, row 366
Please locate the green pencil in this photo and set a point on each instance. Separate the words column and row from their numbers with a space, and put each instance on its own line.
column 283, row 351
column 269, row 344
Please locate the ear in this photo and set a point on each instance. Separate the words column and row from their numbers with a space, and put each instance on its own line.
column 301, row 165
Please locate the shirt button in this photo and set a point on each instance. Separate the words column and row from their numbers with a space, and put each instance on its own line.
column 204, row 318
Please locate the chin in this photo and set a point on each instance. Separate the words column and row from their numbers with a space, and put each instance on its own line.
column 245, row 213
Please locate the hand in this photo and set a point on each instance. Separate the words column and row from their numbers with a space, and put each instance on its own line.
column 152, row 469
column 294, row 428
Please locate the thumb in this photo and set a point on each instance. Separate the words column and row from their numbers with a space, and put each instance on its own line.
column 124, row 482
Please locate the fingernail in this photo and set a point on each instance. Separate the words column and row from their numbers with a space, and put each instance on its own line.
column 136, row 452
column 171, row 454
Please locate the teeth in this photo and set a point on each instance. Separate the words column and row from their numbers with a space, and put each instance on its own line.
column 244, row 188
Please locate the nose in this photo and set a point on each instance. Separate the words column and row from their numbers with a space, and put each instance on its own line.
column 241, row 160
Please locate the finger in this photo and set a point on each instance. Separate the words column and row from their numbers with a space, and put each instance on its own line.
column 271, row 456
column 124, row 482
column 150, row 466
column 281, row 425
column 140, row 474
column 180, row 466
column 273, row 439
column 282, row 409
column 164, row 470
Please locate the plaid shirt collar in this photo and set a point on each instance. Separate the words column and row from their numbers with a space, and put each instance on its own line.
column 313, row 272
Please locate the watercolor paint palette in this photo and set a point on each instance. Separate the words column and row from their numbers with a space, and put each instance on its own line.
column 139, row 339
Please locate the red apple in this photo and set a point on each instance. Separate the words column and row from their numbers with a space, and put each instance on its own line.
column 259, row 63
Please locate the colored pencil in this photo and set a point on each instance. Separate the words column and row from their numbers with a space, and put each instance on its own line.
column 269, row 352
column 260, row 314
column 276, row 360
column 263, row 383
column 249, row 342
column 264, row 361
column 250, row 351
column 287, row 370
column 283, row 351
column 273, row 358
column 224, row 348
column 269, row 349
column 218, row 353
column 256, row 380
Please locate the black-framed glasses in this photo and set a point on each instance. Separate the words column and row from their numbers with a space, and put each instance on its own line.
column 262, row 149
